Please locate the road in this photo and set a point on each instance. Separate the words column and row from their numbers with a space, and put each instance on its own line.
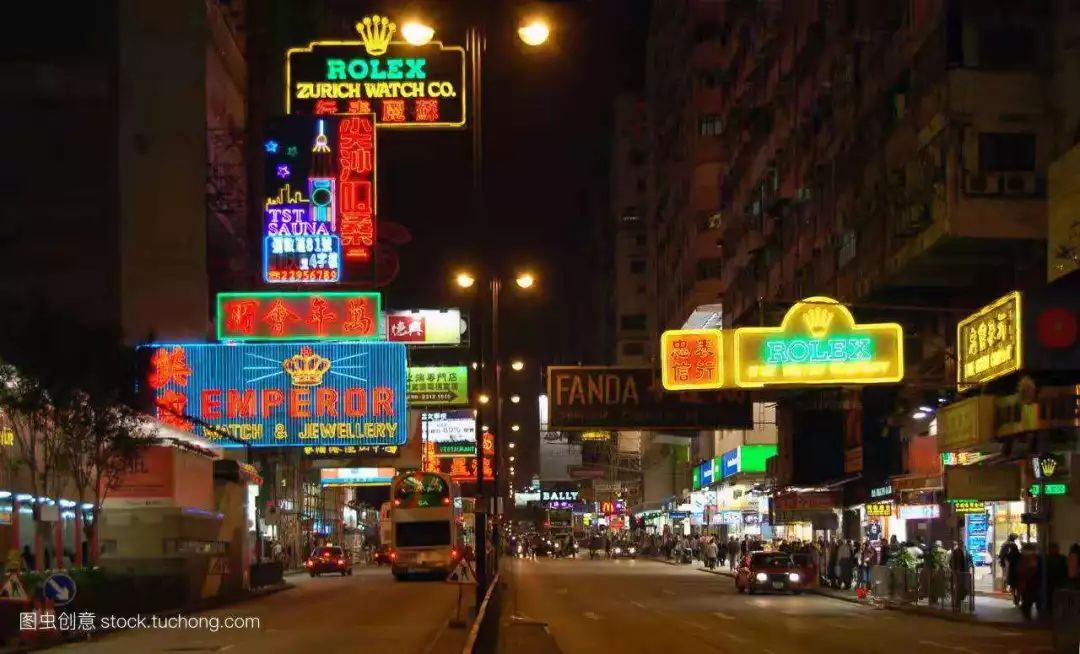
column 367, row 612
column 631, row 606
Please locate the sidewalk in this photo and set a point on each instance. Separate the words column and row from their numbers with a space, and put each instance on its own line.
column 989, row 610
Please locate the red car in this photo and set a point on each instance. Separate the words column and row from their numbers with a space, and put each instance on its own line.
column 328, row 559
column 768, row 571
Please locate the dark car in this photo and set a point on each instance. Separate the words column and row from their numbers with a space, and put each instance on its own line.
column 624, row 550
column 328, row 559
column 384, row 555
column 768, row 571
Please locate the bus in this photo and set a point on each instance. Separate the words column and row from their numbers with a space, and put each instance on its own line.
column 426, row 523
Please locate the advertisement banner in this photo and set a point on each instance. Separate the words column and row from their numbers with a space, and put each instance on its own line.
column 988, row 342
column 437, row 385
column 298, row 316
column 282, row 394
column 425, row 327
column 991, row 483
column 691, row 359
column 585, row 398
column 356, row 477
column 406, row 86
column 965, row 423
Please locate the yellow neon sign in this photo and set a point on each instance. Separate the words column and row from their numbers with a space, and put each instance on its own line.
column 691, row 359
column 988, row 343
column 818, row 342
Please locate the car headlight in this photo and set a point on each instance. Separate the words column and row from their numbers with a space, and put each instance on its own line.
column 618, row 550
column 793, row 577
column 761, row 576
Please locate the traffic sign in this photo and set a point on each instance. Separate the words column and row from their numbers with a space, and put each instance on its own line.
column 13, row 590
column 462, row 574
column 60, row 588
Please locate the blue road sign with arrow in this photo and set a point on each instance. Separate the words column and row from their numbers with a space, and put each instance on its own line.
column 60, row 588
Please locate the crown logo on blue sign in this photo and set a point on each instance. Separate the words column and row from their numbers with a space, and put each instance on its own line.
column 375, row 33
column 306, row 368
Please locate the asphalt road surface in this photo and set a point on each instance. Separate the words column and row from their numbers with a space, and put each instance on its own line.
column 631, row 606
column 368, row 612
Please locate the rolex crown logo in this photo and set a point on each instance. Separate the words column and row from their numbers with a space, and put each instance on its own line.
column 1049, row 466
column 375, row 33
column 306, row 368
column 817, row 321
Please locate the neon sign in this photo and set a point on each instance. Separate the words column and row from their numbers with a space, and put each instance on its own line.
column 691, row 359
column 988, row 342
column 818, row 342
column 298, row 316
column 404, row 85
column 282, row 394
column 356, row 186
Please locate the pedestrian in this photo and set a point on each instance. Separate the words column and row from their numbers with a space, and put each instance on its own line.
column 866, row 561
column 1029, row 579
column 711, row 553
column 607, row 546
column 1009, row 560
column 960, row 567
column 733, row 552
column 1057, row 572
column 845, row 560
column 28, row 557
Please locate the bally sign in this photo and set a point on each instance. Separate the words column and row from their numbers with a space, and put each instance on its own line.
column 606, row 397
column 558, row 496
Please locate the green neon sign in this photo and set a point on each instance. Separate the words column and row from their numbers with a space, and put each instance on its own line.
column 1051, row 489
column 838, row 349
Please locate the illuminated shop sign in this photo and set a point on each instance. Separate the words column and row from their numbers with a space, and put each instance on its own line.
column 319, row 219
column 282, row 394
column 610, row 507
column 596, row 436
column 438, row 385
column 746, row 458
column 424, row 327
column 879, row 509
column 403, row 85
column 460, row 467
column 355, row 477
column 1051, row 489
column 881, row 491
column 298, row 316
column 968, row 506
column 691, row 359
column 454, row 426
column 988, row 342
column 818, row 342
column 919, row 511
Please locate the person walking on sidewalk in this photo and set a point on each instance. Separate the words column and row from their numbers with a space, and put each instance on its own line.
column 711, row 551
column 733, row 553
column 961, row 568
column 1009, row 560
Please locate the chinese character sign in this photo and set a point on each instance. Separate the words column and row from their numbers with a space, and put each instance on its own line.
column 298, row 316
column 319, row 219
column 336, row 394
column 818, row 342
column 691, row 359
column 438, row 385
column 988, row 342
column 404, row 85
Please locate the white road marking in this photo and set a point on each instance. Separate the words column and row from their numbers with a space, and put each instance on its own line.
column 640, row 605
column 226, row 648
column 735, row 637
column 723, row 616
column 767, row 651
column 590, row 615
column 694, row 624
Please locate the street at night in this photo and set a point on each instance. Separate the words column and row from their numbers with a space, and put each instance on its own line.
column 541, row 327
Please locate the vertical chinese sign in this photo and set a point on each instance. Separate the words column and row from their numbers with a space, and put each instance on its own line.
column 692, row 359
column 320, row 222
column 988, row 342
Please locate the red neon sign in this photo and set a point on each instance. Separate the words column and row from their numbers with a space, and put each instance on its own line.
column 356, row 186
column 460, row 468
column 271, row 316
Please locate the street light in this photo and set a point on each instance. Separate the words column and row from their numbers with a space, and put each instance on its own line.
column 512, row 446
column 465, row 280
column 511, row 459
column 525, row 280
column 483, row 398
column 518, row 365
column 535, row 32
column 417, row 33
column 515, row 428
column 484, row 428
column 515, row 398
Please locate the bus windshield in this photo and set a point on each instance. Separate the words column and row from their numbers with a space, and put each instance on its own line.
column 421, row 490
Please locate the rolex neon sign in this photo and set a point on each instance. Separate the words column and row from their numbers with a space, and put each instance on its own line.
column 818, row 342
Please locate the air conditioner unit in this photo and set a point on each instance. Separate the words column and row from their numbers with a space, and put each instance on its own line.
column 1019, row 184
column 982, row 184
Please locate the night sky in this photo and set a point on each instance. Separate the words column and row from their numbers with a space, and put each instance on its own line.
column 547, row 116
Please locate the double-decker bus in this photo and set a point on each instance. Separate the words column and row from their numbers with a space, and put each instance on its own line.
column 426, row 522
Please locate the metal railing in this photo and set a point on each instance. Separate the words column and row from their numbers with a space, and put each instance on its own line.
column 931, row 587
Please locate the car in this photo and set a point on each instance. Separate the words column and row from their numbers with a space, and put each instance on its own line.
column 328, row 559
column 768, row 571
column 807, row 569
column 624, row 551
column 385, row 555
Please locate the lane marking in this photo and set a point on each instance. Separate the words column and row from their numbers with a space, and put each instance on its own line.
column 639, row 605
column 723, row 616
column 694, row 624
column 226, row 648
column 735, row 637
column 590, row 615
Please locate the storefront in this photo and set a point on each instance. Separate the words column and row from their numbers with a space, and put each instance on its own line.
column 804, row 516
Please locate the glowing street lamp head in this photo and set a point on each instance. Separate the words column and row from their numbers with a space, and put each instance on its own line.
column 515, row 398
column 518, row 365
column 525, row 280
column 512, row 446
column 465, row 280
column 515, row 428
column 535, row 32
column 483, row 398
column 417, row 33
column 484, row 428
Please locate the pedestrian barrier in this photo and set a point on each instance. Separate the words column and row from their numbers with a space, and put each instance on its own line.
column 484, row 635
column 267, row 573
column 930, row 587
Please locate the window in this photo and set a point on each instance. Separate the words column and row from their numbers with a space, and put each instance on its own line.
column 422, row 534
column 1008, row 47
column 633, row 349
column 710, row 125
column 637, row 266
column 1001, row 152
column 632, row 322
